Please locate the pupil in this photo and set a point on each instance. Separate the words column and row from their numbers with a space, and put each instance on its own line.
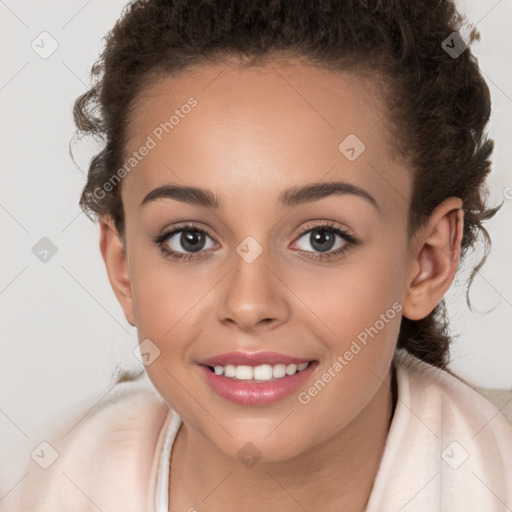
column 189, row 240
column 320, row 238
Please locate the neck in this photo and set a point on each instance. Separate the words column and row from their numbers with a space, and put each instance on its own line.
column 334, row 475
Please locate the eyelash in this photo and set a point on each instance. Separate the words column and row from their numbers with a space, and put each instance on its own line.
column 350, row 240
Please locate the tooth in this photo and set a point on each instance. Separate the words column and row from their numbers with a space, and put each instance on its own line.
column 278, row 370
column 229, row 370
column 291, row 369
column 263, row 372
column 243, row 372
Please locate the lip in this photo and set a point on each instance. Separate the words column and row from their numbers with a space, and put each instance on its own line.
column 252, row 359
column 244, row 392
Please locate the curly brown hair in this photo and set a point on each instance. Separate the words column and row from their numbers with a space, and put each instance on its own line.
column 438, row 104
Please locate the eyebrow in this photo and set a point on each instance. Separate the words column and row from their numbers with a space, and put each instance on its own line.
column 291, row 197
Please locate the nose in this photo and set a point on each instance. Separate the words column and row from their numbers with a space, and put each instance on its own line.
column 253, row 295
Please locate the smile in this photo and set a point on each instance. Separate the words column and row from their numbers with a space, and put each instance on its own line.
column 257, row 385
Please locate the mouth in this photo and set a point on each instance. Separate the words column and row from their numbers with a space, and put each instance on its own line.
column 259, row 385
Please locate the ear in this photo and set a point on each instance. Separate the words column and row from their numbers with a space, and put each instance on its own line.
column 435, row 255
column 114, row 256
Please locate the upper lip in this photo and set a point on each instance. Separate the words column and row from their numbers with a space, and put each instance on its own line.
column 252, row 359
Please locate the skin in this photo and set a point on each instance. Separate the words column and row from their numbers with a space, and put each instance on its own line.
column 254, row 133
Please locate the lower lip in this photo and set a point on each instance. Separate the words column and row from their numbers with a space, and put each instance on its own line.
column 256, row 393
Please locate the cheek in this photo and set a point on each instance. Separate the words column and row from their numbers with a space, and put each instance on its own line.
column 173, row 306
column 165, row 294
column 168, row 311
column 347, row 299
column 355, row 311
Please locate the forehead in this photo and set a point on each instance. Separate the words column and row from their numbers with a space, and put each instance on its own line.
column 262, row 128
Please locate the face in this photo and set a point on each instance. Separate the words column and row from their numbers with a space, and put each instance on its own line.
column 319, row 276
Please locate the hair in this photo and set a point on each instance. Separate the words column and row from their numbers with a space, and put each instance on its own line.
column 438, row 106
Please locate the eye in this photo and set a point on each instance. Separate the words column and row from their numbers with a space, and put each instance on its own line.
column 188, row 241
column 188, row 237
column 322, row 238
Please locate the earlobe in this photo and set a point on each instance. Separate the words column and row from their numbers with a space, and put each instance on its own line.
column 435, row 260
column 114, row 256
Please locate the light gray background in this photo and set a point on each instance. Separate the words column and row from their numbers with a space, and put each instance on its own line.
column 63, row 331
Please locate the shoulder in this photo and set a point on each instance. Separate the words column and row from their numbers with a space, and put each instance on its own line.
column 447, row 446
column 468, row 438
column 103, row 453
column 449, row 396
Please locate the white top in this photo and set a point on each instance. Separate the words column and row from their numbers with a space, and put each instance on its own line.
column 162, row 483
column 448, row 449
